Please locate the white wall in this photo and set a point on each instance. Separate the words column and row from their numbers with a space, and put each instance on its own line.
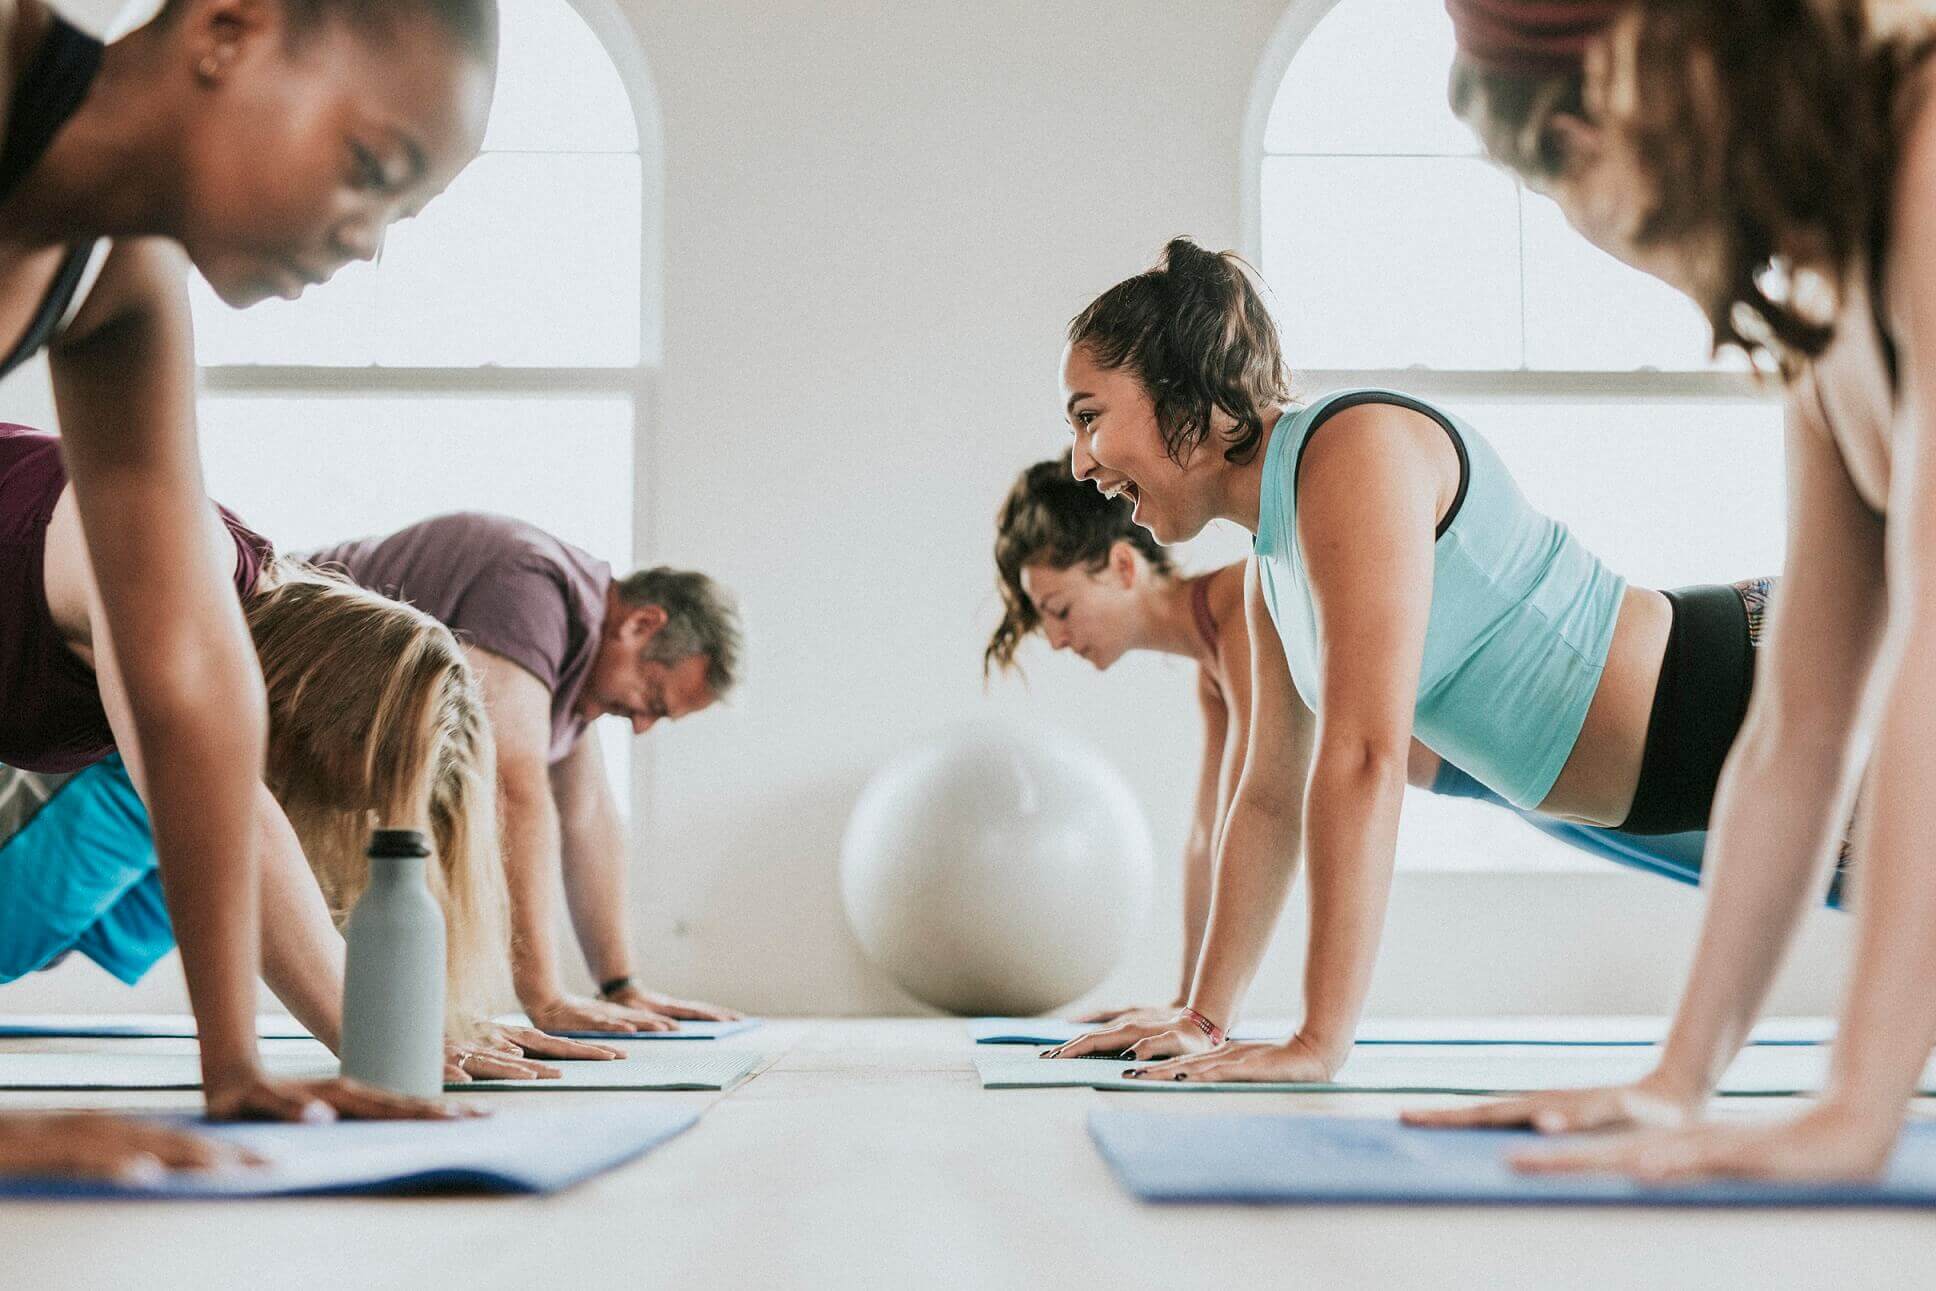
column 878, row 220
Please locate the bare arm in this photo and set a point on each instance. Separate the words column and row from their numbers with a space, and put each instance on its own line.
column 123, row 383
column 1255, row 861
column 1199, row 852
column 593, row 848
column 1781, row 802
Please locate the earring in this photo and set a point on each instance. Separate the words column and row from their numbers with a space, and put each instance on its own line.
column 210, row 67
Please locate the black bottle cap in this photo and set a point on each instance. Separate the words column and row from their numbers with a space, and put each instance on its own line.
column 397, row 843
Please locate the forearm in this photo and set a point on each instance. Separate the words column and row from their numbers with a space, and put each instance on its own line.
column 1780, row 801
column 596, row 892
column 1351, row 835
column 531, row 846
column 1889, row 1017
column 302, row 953
column 203, row 831
column 1253, row 877
column 1198, row 865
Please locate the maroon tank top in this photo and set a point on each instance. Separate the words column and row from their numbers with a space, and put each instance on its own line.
column 51, row 717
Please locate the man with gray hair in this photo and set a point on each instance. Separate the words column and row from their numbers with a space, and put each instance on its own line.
column 557, row 643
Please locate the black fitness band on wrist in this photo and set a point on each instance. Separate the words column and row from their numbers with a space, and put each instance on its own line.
column 613, row 987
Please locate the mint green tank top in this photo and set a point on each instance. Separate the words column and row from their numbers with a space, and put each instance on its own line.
column 1522, row 614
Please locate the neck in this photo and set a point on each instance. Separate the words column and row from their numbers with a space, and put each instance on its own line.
column 1241, row 485
column 1169, row 621
column 113, row 170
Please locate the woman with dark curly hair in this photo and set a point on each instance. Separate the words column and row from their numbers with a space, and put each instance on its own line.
column 1400, row 585
column 1071, row 565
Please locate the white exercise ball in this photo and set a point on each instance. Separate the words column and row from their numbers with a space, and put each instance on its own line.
column 996, row 869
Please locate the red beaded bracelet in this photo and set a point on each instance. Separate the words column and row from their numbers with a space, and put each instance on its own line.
column 1204, row 1024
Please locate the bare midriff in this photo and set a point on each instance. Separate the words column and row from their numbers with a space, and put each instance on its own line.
column 1596, row 787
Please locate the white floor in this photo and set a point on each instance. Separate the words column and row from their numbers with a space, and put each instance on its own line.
column 866, row 1155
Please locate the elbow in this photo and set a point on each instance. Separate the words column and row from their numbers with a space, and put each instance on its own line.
column 194, row 700
column 1362, row 761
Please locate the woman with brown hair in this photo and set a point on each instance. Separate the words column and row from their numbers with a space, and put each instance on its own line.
column 1072, row 566
column 1401, row 585
column 1776, row 161
column 267, row 142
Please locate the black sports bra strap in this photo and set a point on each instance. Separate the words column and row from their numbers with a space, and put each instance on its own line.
column 50, row 91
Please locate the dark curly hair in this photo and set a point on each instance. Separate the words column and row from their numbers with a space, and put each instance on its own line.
column 1052, row 518
column 1770, row 130
column 1195, row 332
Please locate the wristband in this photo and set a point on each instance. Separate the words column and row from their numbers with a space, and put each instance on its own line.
column 1204, row 1025
column 614, row 986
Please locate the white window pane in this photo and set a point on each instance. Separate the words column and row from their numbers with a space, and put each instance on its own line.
column 310, row 470
column 556, row 87
column 1457, row 834
column 1585, row 310
column 528, row 260
column 1371, row 79
column 1393, row 262
column 1668, row 492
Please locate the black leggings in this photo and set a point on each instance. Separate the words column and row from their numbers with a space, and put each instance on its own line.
column 1702, row 696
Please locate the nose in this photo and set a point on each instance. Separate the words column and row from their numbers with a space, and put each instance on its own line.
column 641, row 723
column 361, row 238
column 1057, row 634
column 1081, row 464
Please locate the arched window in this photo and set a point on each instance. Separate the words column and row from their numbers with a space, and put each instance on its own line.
column 498, row 356
column 1399, row 256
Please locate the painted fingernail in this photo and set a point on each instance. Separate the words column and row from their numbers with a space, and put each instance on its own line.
column 1181, row 1075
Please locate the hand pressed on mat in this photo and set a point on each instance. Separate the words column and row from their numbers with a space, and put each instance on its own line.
column 1166, row 1035
column 1295, row 1060
column 257, row 1097
column 95, row 1145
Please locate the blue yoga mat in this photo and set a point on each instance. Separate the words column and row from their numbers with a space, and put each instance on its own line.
column 536, row 1151
column 1330, row 1160
column 131, row 1026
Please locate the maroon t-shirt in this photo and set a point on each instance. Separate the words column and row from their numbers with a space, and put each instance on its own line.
column 501, row 584
column 51, row 717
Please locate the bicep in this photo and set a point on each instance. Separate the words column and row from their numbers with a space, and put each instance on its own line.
column 519, row 708
column 1367, row 512
column 1830, row 598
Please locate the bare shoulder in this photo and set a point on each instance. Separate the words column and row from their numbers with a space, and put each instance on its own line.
column 1368, row 440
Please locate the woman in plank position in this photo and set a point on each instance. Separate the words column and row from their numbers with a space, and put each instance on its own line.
column 1776, row 162
column 1072, row 566
column 267, row 142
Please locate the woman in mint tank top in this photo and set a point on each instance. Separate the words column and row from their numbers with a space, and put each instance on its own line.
column 1400, row 585
column 1073, row 568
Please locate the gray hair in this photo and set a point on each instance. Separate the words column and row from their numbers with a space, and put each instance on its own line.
column 701, row 618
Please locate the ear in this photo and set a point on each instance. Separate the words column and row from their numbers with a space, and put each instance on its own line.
column 641, row 623
column 1576, row 142
column 1125, row 564
column 218, row 31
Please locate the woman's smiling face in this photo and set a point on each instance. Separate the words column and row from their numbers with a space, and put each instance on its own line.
column 1119, row 448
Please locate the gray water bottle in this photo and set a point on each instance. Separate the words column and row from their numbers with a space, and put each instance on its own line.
column 393, row 987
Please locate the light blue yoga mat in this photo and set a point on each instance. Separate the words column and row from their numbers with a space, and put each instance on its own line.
column 531, row 1150
column 131, row 1026
column 1435, row 1069
column 1463, row 1031
column 684, row 1067
column 1328, row 1160
column 686, row 1031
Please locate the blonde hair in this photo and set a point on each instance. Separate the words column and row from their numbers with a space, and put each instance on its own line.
column 375, row 719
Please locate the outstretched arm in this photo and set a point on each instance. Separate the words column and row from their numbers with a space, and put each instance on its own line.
column 1780, row 805
column 123, row 383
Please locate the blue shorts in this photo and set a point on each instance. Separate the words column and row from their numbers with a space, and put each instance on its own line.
column 80, row 875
